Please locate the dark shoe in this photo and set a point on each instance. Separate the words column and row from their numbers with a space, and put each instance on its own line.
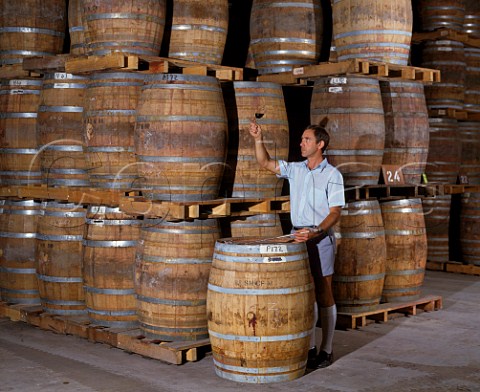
column 312, row 357
column 323, row 360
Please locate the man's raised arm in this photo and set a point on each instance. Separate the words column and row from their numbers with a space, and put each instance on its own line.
column 261, row 153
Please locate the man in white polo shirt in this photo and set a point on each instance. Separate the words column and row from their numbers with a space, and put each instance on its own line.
column 316, row 199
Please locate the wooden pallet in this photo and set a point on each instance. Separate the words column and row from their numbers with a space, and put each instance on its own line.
column 448, row 113
column 45, row 64
column 130, row 340
column 453, row 266
column 16, row 71
column 133, row 204
column 123, row 62
column 452, row 189
column 379, row 70
column 365, row 192
column 217, row 208
column 78, row 195
column 385, row 312
column 461, row 115
column 447, row 34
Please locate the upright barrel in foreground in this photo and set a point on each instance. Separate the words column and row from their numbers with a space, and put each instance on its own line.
column 260, row 310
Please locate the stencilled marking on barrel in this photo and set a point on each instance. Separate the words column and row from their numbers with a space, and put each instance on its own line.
column 275, row 259
column 273, row 248
column 169, row 77
column 338, row 80
column 243, row 283
column 335, row 90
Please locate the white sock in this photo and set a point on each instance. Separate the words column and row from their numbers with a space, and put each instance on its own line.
column 328, row 319
column 315, row 319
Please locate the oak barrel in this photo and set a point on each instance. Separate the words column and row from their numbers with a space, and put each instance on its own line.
column 18, row 228
column 406, row 241
column 76, row 28
column 285, row 34
column 19, row 161
column 472, row 79
column 450, row 91
column 471, row 23
column 109, row 247
column 436, row 14
column 361, row 257
column 111, row 100
column 58, row 254
column 261, row 225
column 171, row 276
column 31, row 28
column 124, row 26
column 406, row 128
column 60, row 130
column 437, row 219
column 379, row 30
column 180, row 137
column 470, row 151
column 260, row 310
column 243, row 177
column 199, row 30
column 444, row 151
column 356, row 125
column 470, row 228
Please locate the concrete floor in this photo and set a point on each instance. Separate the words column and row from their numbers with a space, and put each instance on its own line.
column 432, row 351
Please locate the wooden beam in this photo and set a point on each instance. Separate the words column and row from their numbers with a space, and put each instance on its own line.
column 78, row 65
column 45, row 63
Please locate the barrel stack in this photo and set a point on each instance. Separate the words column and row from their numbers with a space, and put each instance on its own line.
column 453, row 104
column 263, row 103
column 180, row 147
column 470, row 130
column 29, row 28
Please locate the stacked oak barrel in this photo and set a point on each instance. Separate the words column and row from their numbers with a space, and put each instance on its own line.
column 470, row 136
column 105, row 130
column 31, row 28
column 373, row 123
column 454, row 149
column 184, row 138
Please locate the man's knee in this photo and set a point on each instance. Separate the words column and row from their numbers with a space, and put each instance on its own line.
column 324, row 292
